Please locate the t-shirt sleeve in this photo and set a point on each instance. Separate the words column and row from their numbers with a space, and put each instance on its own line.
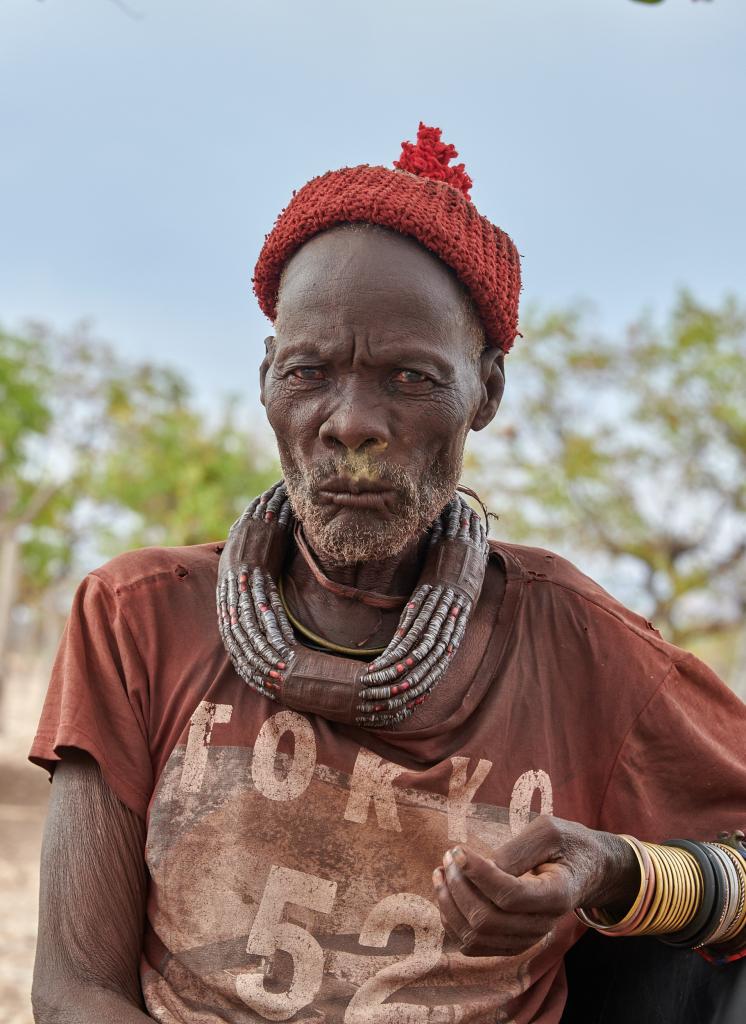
column 97, row 700
column 680, row 772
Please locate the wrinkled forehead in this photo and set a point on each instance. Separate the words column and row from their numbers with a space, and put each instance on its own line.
column 367, row 276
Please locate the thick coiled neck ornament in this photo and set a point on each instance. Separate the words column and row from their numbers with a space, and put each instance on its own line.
column 267, row 654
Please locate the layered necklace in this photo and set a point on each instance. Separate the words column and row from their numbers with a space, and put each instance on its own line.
column 266, row 653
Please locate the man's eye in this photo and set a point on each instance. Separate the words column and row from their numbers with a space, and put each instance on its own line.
column 308, row 373
column 409, row 377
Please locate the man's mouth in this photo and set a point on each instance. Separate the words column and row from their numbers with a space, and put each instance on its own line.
column 361, row 493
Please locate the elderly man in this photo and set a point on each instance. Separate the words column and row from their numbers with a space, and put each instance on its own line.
column 378, row 785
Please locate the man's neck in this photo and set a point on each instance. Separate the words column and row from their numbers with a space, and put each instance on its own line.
column 395, row 575
column 341, row 619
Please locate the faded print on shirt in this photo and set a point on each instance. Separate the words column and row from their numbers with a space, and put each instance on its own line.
column 286, row 889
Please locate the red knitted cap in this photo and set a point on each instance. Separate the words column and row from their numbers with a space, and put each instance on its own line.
column 424, row 198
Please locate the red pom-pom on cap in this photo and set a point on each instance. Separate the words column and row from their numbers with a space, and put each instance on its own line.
column 429, row 157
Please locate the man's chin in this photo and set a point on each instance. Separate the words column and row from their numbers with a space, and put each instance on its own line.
column 356, row 535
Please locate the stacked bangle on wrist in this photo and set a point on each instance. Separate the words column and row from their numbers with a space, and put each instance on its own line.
column 691, row 895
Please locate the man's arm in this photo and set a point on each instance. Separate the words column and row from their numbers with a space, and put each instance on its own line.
column 92, row 903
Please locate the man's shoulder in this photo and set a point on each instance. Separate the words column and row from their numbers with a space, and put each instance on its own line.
column 542, row 564
column 144, row 566
column 578, row 592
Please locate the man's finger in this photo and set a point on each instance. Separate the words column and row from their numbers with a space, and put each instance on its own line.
column 485, row 917
column 471, row 941
column 538, row 843
column 545, row 891
column 497, row 933
column 453, row 920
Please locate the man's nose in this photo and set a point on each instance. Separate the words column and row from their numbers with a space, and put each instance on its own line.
column 356, row 424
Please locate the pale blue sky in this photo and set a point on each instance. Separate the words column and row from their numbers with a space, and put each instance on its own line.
column 142, row 161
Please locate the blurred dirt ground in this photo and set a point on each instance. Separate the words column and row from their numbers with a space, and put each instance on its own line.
column 24, row 791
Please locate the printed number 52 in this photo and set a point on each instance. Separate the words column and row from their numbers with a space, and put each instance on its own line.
column 269, row 933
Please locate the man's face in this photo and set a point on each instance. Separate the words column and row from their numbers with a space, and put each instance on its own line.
column 371, row 385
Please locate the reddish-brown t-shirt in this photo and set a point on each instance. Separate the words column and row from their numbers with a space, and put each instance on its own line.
column 290, row 857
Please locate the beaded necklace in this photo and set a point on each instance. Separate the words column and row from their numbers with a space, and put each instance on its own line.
column 266, row 653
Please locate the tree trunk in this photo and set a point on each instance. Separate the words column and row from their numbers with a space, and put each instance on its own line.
column 9, row 573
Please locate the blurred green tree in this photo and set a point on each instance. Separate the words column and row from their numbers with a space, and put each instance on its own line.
column 25, row 418
column 182, row 479
column 632, row 452
column 98, row 455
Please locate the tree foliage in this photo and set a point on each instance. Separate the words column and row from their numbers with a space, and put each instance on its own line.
column 632, row 451
column 181, row 480
column 99, row 455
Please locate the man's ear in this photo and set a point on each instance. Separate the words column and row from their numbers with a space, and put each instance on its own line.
column 269, row 354
column 492, row 376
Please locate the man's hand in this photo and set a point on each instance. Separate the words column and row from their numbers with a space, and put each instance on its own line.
column 502, row 906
